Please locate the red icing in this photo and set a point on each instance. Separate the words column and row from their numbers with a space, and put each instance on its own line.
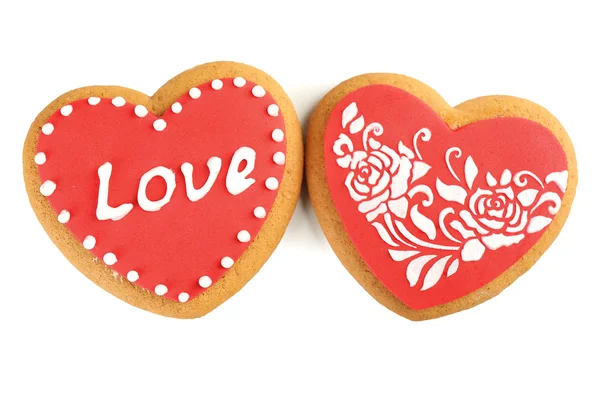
column 494, row 145
column 184, row 240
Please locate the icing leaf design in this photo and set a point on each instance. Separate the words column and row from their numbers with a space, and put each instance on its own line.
column 349, row 113
column 453, row 193
column 560, row 178
column 413, row 271
column 357, row 125
column 470, row 171
column 435, row 273
column 422, row 222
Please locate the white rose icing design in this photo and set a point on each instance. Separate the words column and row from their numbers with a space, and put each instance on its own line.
column 383, row 181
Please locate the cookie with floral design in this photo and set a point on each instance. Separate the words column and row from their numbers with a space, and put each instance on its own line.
column 433, row 208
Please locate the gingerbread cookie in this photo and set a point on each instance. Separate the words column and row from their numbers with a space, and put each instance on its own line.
column 434, row 209
column 170, row 202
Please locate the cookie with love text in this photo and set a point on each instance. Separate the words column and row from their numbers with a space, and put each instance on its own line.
column 171, row 202
column 434, row 209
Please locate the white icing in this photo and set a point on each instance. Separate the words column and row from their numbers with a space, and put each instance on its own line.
column 452, row 268
column 140, row 111
column 260, row 212
column 424, row 224
column 89, row 242
column 560, row 178
column 239, row 82
column 472, row 250
column 237, row 181
column 425, row 135
column 183, row 297
column 272, row 183
column 94, row 101
column 273, row 110
column 244, row 236
column 47, row 188
column 277, row 135
column 435, row 273
column 227, row 262
column 110, row 259
column 258, row 91
column 491, row 181
column 279, row 158
column 133, row 276
column 118, row 101
column 195, row 93
column 159, row 125
column 451, row 192
column 40, row 158
column 413, row 271
column 538, row 223
column 527, row 197
column 349, row 113
column 176, row 107
column 470, row 171
column 217, row 84
column 497, row 240
column 383, row 233
column 66, row 110
column 47, row 128
column 169, row 178
column 205, row 282
column 401, row 255
column 357, row 125
column 160, row 289
column 103, row 210
column 214, row 167
column 64, row 216
column 505, row 177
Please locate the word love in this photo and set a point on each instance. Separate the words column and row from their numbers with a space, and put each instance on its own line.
column 236, row 182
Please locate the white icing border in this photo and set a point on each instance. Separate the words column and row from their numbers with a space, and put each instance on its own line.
column 243, row 236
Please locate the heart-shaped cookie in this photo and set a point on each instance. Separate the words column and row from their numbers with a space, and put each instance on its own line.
column 435, row 209
column 171, row 202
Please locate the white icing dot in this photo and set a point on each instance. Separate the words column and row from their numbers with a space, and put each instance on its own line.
column 133, row 276
column 273, row 110
column 140, row 111
column 48, row 188
column 48, row 128
column 40, row 158
column 195, row 93
column 89, row 242
column 258, row 91
column 259, row 212
column 160, row 289
column 176, row 107
column 110, row 258
column 272, row 183
column 64, row 216
column 243, row 236
column 183, row 297
column 205, row 281
column 94, row 101
column 277, row 135
column 227, row 262
column 217, row 84
column 66, row 110
column 118, row 101
column 239, row 81
column 279, row 158
column 159, row 125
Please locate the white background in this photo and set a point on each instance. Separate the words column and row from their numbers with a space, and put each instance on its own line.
column 303, row 328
